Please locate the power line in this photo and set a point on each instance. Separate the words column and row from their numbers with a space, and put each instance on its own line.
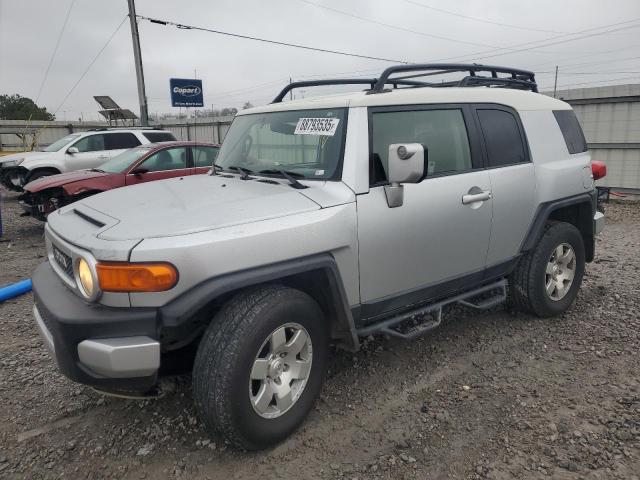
column 528, row 45
column 265, row 40
column 584, row 73
column 573, row 57
column 55, row 49
column 586, row 64
column 440, row 37
column 597, row 81
column 395, row 27
column 481, row 20
column 91, row 63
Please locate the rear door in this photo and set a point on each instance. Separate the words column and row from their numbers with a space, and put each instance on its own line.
column 203, row 158
column 167, row 163
column 437, row 241
column 118, row 142
column 512, row 178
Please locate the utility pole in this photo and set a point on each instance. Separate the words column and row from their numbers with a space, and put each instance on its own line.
column 555, row 83
column 137, row 55
column 290, row 91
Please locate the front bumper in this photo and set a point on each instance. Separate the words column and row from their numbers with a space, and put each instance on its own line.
column 13, row 178
column 27, row 202
column 116, row 348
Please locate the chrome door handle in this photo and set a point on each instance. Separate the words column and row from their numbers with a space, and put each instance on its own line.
column 476, row 197
column 103, row 157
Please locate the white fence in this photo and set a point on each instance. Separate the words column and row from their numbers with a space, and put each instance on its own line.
column 18, row 135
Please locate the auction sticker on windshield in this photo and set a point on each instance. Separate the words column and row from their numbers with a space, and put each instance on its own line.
column 317, row 126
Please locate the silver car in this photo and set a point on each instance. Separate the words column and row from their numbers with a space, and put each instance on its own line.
column 325, row 220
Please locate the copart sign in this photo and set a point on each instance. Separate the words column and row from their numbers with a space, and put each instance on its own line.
column 186, row 92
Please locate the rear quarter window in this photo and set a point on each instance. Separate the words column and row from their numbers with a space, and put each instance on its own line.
column 571, row 131
column 154, row 137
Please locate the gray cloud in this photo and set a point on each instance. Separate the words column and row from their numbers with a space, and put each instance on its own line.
column 235, row 70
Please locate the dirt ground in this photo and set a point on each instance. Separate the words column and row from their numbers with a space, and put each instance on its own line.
column 495, row 395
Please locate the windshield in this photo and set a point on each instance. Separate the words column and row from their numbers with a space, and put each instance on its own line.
column 122, row 162
column 304, row 142
column 57, row 145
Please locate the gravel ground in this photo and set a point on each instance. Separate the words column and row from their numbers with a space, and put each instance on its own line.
column 496, row 395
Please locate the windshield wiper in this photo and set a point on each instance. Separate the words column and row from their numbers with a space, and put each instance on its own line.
column 215, row 168
column 288, row 174
column 244, row 172
column 96, row 170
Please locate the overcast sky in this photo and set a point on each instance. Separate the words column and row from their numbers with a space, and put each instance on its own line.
column 236, row 70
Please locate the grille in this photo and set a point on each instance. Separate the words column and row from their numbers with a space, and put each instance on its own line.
column 63, row 260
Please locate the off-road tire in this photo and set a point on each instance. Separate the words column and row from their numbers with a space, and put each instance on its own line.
column 527, row 282
column 225, row 356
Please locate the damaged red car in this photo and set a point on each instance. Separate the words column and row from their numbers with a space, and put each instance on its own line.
column 145, row 163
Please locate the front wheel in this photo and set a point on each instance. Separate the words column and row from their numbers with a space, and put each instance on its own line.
column 547, row 279
column 260, row 366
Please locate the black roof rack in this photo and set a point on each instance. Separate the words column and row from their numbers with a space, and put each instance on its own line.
column 105, row 129
column 517, row 79
column 341, row 81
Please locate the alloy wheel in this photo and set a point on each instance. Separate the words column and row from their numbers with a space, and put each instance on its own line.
column 280, row 370
column 560, row 271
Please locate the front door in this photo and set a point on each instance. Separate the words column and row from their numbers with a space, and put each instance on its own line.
column 438, row 239
column 92, row 152
column 167, row 163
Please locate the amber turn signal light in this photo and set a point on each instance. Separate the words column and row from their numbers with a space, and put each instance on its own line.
column 136, row 277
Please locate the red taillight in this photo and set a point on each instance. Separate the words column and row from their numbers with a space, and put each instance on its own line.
column 599, row 169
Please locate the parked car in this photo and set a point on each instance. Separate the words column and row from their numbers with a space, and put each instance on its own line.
column 76, row 151
column 330, row 219
column 146, row 163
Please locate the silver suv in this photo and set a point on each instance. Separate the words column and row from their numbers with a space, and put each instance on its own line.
column 76, row 151
column 324, row 220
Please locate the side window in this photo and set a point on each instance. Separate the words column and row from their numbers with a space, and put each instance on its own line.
column 204, row 156
column 505, row 145
column 154, row 137
column 571, row 131
column 169, row 159
column 121, row 140
column 90, row 143
column 443, row 132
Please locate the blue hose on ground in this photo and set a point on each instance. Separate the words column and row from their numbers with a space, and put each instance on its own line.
column 14, row 289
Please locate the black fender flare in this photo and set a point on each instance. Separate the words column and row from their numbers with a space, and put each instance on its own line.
column 544, row 211
column 180, row 312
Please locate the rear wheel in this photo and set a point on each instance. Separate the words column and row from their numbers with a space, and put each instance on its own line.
column 547, row 278
column 260, row 366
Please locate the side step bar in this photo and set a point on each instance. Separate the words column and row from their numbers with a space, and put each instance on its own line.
column 389, row 325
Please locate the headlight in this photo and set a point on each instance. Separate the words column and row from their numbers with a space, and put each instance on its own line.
column 12, row 163
column 85, row 278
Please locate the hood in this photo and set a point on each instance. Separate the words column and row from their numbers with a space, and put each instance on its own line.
column 10, row 160
column 62, row 179
column 179, row 206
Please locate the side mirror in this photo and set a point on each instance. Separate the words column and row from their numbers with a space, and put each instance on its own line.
column 72, row 150
column 139, row 171
column 406, row 165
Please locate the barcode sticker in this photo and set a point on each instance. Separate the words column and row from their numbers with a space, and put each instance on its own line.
column 317, row 126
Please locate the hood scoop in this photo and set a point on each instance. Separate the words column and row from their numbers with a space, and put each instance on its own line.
column 89, row 219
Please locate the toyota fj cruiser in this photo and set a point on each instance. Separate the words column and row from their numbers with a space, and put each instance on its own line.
column 76, row 151
column 325, row 220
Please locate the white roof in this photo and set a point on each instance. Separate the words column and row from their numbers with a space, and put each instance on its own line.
column 518, row 99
